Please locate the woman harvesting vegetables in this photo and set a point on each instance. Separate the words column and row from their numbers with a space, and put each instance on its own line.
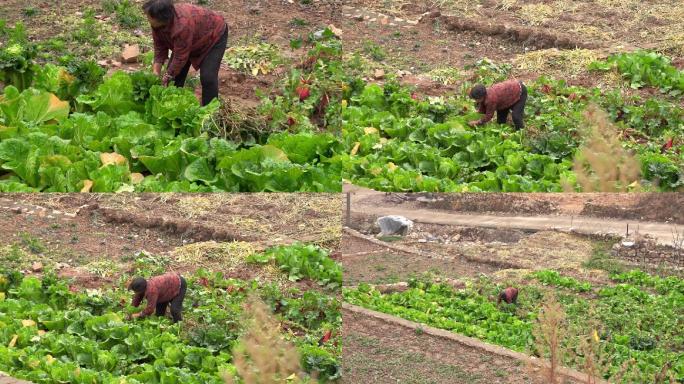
column 160, row 292
column 195, row 36
column 509, row 295
column 502, row 98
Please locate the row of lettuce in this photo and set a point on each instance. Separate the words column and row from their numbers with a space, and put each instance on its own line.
column 394, row 141
column 53, row 332
column 68, row 128
column 648, row 343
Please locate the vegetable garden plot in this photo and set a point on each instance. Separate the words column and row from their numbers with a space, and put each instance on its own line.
column 397, row 142
column 634, row 320
column 65, row 129
column 51, row 333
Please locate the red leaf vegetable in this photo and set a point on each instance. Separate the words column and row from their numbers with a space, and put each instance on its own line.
column 325, row 337
column 303, row 92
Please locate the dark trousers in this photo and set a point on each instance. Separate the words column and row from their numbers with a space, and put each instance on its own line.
column 176, row 304
column 209, row 70
column 517, row 110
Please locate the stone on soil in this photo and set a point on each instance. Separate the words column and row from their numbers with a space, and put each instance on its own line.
column 130, row 54
column 37, row 266
column 394, row 225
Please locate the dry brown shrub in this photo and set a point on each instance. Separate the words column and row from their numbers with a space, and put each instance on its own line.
column 263, row 356
column 602, row 164
column 549, row 334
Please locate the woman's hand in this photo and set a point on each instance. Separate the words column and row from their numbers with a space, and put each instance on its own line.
column 474, row 123
column 157, row 68
column 166, row 79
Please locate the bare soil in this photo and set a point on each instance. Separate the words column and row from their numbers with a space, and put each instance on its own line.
column 603, row 22
column 390, row 266
column 94, row 238
column 199, row 217
column 10, row 380
column 470, row 257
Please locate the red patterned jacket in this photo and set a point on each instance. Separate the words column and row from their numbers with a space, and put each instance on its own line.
column 160, row 289
column 509, row 295
column 499, row 96
column 192, row 33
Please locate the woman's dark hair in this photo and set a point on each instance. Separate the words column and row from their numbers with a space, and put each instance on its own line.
column 139, row 284
column 479, row 91
column 161, row 10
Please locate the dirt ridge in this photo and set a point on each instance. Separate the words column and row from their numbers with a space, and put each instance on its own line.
column 393, row 247
column 185, row 228
column 527, row 36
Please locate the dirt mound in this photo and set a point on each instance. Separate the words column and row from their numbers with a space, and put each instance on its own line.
column 651, row 207
column 498, row 202
column 539, row 39
column 177, row 226
column 489, row 235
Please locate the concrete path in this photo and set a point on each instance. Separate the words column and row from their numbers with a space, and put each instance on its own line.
column 661, row 232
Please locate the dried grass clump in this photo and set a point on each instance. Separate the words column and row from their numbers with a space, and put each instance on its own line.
column 542, row 250
column 228, row 254
column 554, row 61
column 537, row 14
column 506, row 5
column 238, row 122
column 263, row 356
column 230, row 257
column 593, row 33
column 672, row 43
column 616, row 3
column 602, row 164
column 194, row 206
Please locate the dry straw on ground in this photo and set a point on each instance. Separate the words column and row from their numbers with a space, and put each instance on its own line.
column 233, row 121
column 556, row 62
column 537, row 14
column 542, row 250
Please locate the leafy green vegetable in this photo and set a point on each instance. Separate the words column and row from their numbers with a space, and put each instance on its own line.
column 51, row 334
column 646, row 68
column 159, row 133
column 649, row 339
column 393, row 141
column 300, row 260
column 17, row 54
column 549, row 277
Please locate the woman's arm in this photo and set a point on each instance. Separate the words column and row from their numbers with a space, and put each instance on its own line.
column 161, row 53
column 182, row 45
